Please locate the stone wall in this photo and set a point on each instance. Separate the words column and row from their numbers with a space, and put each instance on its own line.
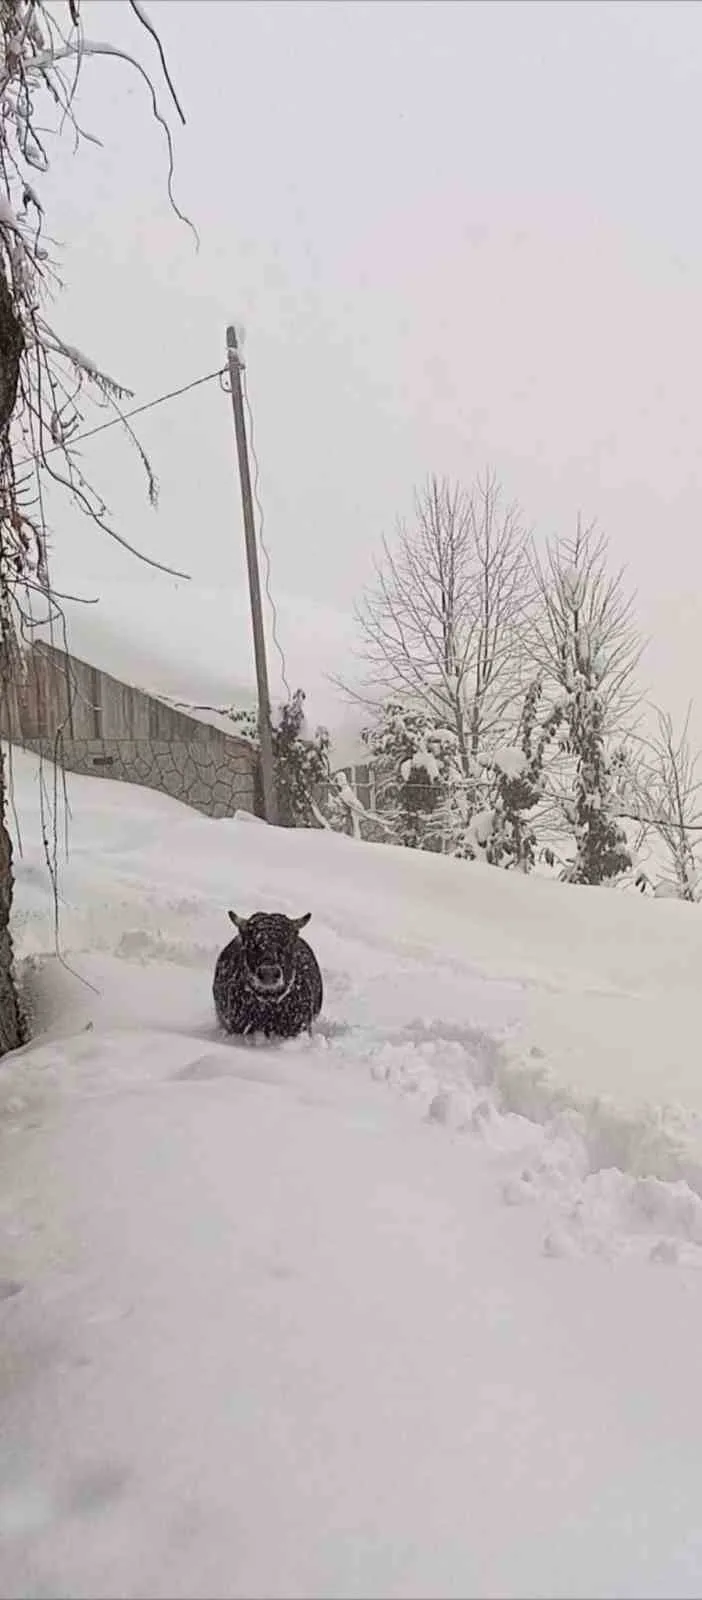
column 90, row 722
column 209, row 777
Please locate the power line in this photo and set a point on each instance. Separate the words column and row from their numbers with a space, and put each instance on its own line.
column 126, row 416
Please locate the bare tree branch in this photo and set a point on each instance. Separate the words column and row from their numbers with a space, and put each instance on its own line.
column 583, row 640
column 140, row 12
column 440, row 623
column 43, row 379
column 88, row 47
column 667, row 789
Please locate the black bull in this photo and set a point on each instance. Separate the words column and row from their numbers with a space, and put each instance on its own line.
column 267, row 979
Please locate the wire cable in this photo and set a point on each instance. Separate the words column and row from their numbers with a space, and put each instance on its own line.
column 174, row 394
column 138, row 411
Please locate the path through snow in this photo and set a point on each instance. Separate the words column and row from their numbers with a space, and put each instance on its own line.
column 388, row 1312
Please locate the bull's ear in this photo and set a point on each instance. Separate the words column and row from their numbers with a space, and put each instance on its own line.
column 301, row 922
column 239, row 922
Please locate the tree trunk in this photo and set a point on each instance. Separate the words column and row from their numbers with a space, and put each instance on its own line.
column 13, row 1030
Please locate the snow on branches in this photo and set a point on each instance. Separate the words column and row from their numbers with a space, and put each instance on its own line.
column 584, row 641
column 42, row 376
column 508, row 684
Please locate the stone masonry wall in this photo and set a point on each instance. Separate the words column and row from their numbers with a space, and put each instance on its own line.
column 93, row 723
column 210, row 777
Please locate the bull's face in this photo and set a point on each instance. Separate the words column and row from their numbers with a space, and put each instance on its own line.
column 269, row 942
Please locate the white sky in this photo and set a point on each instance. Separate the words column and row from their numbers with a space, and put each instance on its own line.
column 456, row 234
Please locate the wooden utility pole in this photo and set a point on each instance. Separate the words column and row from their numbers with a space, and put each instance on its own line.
column 264, row 702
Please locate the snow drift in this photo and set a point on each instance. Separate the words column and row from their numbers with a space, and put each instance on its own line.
column 409, row 1308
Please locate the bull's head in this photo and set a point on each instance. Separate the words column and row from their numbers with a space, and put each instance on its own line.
column 269, row 941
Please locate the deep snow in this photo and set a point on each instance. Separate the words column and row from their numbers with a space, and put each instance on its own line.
column 412, row 1308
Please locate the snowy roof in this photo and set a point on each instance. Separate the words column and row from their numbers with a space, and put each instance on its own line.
column 190, row 646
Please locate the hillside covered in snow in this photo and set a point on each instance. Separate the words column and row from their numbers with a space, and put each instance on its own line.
column 412, row 1307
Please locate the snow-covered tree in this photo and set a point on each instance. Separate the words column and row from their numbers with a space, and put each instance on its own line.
column 441, row 625
column 666, row 797
column 504, row 831
column 416, row 764
column 345, row 812
column 586, row 646
column 301, row 765
column 43, row 377
column 301, row 762
column 424, row 796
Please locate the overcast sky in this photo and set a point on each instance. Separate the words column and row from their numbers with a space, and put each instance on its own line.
column 457, row 235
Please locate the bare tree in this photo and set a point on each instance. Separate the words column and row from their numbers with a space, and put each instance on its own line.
column 43, row 378
column 440, row 624
column 502, row 595
column 667, row 793
column 584, row 642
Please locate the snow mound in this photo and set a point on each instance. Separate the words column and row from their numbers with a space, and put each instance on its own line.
column 378, row 1312
column 447, row 980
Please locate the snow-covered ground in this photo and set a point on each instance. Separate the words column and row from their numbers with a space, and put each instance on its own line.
column 412, row 1308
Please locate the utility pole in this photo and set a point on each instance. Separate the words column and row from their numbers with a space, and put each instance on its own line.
column 264, row 702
